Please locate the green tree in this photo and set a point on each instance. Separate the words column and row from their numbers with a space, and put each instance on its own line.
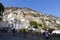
column 45, row 27
column 34, row 24
column 1, row 10
column 41, row 25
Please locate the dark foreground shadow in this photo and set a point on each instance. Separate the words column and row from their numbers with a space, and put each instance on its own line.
column 28, row 36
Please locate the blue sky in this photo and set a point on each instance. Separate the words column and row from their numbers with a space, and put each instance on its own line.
column 50, row 7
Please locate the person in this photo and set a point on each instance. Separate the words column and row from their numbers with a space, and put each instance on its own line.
column 13, row 31
column 25, row 34
column 9, row 31
column 46, row 34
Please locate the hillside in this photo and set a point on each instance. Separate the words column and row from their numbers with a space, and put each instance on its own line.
column 29, row 14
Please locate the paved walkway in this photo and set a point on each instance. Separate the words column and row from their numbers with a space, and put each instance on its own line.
column 10, row 37
column 29, row 37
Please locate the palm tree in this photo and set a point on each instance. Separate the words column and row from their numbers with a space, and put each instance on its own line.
column 1, row 10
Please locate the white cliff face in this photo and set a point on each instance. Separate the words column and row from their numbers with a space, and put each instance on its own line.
column 10, row 15
column 20, row 17
column 58, row 22
column 47, row 22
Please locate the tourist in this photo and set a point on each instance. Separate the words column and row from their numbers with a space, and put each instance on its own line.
column 13, row 31
column 24, row 34
column 46, row 34
column 9, row 31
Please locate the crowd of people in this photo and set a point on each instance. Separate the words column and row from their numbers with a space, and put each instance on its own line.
column 7, row 30
column 46, row 33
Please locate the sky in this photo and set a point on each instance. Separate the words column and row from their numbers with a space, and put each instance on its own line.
column 49, row 7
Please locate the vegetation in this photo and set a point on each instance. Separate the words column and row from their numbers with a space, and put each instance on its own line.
column 45, row 27
column 1, row 10
column 40, row 25
column 37, row 25
column 58, row 26
column 21, row 30
column 34, row 24
column 36, row 15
